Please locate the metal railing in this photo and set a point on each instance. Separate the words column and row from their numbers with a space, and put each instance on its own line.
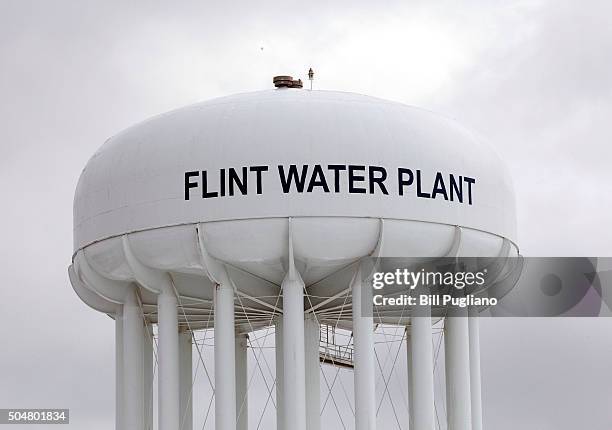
column 331, row 352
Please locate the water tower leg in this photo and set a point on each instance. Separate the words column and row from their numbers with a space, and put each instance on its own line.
column 186, row 380
column 119, row 371
column 133, row 383
column 363, row 339
column 456, row 345
column 409, row 354
column 242, row 381
column 312, row 334
column 168, row 364
column 225, row 372
column 278, row 346
column 294, row 389
column 423, row 414
column 147, row 370
column 475, row 383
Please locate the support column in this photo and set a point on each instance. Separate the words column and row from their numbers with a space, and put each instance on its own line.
column 119, row 371
column 186, row 381
column 475, row 382
column 422, row 383
column 242, row 382
column 168, row 356
column 147, row 366
column 294, row 390
column 410, row 380
column 456, row 345
column 278, row 346
column 225, row 372
column 363, row 339
column 312, row 334
column 133, row 388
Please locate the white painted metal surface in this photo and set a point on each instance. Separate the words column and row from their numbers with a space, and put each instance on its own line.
column 458, row 398
column 148, row 374
column 186, row 380
column 475, row 381
column 294, row 371
column 242, row 383
column 312, row 333
column 135, row 181
column 363, row 327
column 280, row 384
column 225, row 371
column 422, row 383
column 168, row 350
column 146, row 238
column 119, row 371
column 409, row 356
column 133, row 359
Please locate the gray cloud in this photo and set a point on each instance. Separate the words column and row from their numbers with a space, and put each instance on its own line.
column 534, row 78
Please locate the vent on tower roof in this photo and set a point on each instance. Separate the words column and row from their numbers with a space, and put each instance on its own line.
column 286, row 82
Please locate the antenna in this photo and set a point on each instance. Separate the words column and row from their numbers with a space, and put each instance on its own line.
column 310, row 76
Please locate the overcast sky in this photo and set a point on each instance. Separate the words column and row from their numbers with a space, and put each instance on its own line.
column 533, row 77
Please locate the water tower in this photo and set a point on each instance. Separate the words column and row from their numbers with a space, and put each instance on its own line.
column 257, row 210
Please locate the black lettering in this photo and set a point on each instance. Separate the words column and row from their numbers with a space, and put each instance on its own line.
column 258, row 170
column 205, row 193
column 336, row 168
column 439, row 187
column 456, row 188
column 356, row 178
column 419, row 192
column 222, row 182
column 241, row 183
column 318, row 179
column 401, row 181
column 469, row 181
column 292, row 176
column 188, row 184
column 380, row 180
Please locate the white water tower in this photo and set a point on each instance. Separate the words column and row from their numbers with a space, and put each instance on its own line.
column 256, row 209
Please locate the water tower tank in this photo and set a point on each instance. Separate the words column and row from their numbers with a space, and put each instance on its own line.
column 254, row 210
